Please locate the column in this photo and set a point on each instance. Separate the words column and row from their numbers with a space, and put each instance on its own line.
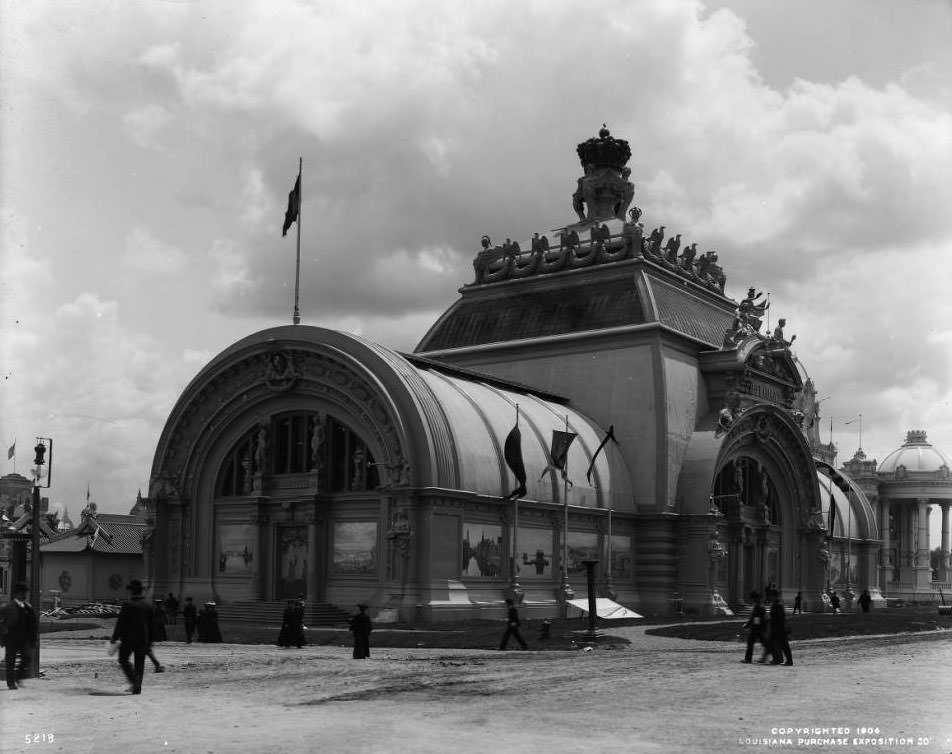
column 259, row 572
column 922, row 542
column 944, row 559
column 885, row 572
column 313, row 568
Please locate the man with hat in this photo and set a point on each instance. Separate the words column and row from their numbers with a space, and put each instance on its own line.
column 17, row 635
column 208, row 630
column 134, row 630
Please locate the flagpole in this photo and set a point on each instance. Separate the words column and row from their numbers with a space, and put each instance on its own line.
column 514, row 589
column 566, row 587
column 296, row 318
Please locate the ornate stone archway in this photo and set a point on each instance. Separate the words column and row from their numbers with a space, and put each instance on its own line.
column 766, row 489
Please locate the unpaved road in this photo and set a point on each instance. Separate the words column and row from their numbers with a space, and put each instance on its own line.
column 657, row 695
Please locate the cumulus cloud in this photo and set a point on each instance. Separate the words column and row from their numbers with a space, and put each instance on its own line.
column 424, row 125
column 101, row 392
column 145, row 124
column 143, row 253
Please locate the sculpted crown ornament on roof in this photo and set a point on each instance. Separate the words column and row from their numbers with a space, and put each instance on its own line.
column 604, row 191
column 609, row 230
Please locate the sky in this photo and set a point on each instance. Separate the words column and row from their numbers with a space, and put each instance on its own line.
column 147, row 148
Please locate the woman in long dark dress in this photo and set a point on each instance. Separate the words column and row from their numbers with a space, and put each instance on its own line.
column 360, row 627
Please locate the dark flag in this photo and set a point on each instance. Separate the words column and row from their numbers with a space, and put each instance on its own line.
column 559, row 452
column 294, row 205
column 513, row 454
column 609, row 436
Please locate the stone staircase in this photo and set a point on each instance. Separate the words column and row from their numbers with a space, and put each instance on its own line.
column 270, row 613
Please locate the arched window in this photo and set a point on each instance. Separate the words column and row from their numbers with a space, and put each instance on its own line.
column 297, row 443
column 352, row 466
column 235, row 474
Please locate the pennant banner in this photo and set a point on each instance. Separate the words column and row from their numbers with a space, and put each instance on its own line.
column 294, row 206
column 609, row 436
column 832, row 516
column 559, row 452
column 513, row 453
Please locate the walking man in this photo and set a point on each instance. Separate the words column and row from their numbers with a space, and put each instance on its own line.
column 134, row 630
column 779, row 639
column 17, row 636
column 755, row 626
column 512, row 627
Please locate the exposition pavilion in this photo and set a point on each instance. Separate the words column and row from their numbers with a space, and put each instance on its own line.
column 307, row 461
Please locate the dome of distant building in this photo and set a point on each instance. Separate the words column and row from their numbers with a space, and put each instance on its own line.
column 916, row 454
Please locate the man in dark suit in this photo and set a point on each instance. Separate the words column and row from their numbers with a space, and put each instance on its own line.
column 512, row 626
column 779, row 639
column 190, row 616
column 134, row 630
column 17, row 635
column 756, row 625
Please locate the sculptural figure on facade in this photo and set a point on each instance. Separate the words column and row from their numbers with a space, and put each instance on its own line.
column 539, row 243
column 751, row 309
column 686, row 260
column 777, row 339
column 747, row 319
column 318, row 436
column 261, row 449
column 671, row 250
column 710, row 271
column 655, row 240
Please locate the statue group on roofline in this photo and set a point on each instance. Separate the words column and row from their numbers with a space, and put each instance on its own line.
column 748, row 319
column 702, row 269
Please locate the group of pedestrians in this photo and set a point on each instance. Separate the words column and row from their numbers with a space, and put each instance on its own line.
column 767, row 626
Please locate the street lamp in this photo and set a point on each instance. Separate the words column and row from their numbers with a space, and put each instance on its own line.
column 44, row 457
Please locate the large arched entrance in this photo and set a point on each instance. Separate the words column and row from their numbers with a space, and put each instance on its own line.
column 765, row 489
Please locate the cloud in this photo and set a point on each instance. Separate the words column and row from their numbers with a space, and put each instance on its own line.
column 145, row 124
column 422, row 126
column 101, row 392
column 145, row 254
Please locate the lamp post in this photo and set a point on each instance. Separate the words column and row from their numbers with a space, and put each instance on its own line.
column 591, row 635
column 43, row 445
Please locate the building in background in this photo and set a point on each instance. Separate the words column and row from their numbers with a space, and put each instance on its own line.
column 94, row 561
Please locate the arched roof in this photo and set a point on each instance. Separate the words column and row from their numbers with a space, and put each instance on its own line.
column 448, row 425
column 479, row 417
column 916, row 454
column 854, row 514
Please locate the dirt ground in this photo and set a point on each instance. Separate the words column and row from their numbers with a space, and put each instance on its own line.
column 878, row 694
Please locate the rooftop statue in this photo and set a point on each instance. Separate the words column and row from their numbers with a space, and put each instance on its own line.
column 747, row 320
column 671, row 249
column 777, row 339
column 686, row 260
column 655, row 240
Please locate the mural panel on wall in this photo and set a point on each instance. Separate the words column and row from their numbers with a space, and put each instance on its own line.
column 355, row 548
column 292, row 552
column 236, row 549
column 482, row 549
column 535, row 548
column 621, row 557
column 582, row 546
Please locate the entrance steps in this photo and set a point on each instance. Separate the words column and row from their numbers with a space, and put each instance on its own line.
column 270, row 613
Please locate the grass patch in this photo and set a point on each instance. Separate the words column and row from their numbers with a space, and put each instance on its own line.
column 821, row 625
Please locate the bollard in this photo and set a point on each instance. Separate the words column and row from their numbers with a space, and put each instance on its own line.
column 546, row 626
